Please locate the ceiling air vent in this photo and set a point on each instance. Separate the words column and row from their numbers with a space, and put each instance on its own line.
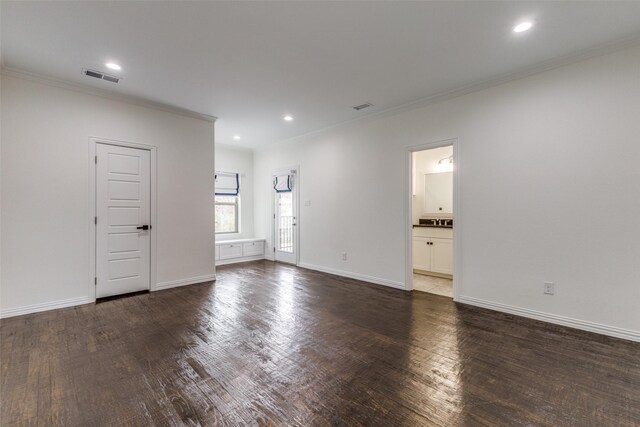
column 363, row 106
column 99, row 75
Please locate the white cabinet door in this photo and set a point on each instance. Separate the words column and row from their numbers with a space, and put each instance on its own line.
column 421, row 254
column 253, row 249
column 442, row 256
column 227, row 251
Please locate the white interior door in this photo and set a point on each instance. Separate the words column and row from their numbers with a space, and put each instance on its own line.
column 123, row 206
column 285, row 217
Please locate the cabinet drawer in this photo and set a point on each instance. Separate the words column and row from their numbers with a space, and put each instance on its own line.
column 233, row 250
column 438, row 233
column 253, row 248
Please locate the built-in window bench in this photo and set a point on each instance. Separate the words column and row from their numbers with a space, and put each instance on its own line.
column 240, row 250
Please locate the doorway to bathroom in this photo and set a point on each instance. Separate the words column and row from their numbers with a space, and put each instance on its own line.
column 432, row 200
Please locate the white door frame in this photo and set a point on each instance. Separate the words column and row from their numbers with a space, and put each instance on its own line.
column 93, row 142
column 296, row 193
column 457, row 223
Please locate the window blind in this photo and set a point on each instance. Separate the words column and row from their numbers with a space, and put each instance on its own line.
column 283, row 183
column 227, row 184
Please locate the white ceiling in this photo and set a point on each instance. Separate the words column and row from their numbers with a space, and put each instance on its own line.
column 250, row 63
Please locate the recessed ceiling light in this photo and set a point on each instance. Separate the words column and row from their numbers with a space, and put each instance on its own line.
column 113, row 66
column 523, row 26
column 288, row 118
column 236, row 137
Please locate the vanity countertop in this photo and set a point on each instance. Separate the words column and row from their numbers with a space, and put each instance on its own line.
column 434, row 223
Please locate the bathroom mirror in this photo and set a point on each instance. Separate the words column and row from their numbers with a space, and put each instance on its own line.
column 438, row 193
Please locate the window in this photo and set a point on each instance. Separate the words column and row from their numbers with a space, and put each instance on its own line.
column 227, row 214
column 227, row 201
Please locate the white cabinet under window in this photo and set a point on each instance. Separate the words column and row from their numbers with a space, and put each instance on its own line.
column 230, row 250
column 240, row 250
column 433, row 250
column 253, row 248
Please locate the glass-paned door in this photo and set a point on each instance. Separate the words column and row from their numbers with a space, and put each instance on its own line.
column 285, row 226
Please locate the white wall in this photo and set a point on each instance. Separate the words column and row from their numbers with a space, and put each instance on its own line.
column 240, row 160
column 550, row 190
column 45, row 190
column 424, row 162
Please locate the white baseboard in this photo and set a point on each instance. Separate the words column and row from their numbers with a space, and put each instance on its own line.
column 184, row 282
column 237, row 260
column 364, row 278
column 584, row 325
column 46, row 306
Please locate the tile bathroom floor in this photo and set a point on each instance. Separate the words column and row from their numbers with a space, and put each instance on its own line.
column 433, row 285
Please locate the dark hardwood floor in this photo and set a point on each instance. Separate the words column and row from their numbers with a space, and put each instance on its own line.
column 271, row 344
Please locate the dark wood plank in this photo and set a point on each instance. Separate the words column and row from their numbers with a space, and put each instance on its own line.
column 270, row 344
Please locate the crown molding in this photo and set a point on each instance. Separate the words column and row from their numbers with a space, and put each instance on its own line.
column 608, row 48
column 130, row 99
column 234, row 147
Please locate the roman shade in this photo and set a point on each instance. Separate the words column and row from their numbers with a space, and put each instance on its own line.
column 283, row 183
column 227, row 184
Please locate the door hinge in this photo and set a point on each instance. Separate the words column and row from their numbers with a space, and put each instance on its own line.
column 96, row 160
column 274, row 250
column 95, row 220
column 274, row 216
column 95, row 281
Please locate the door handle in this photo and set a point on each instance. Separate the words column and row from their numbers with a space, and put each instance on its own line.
column 143, row 227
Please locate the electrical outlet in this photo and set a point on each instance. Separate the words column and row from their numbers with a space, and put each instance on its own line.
column 307, row 202
column 549, row 288
column 344, row 256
